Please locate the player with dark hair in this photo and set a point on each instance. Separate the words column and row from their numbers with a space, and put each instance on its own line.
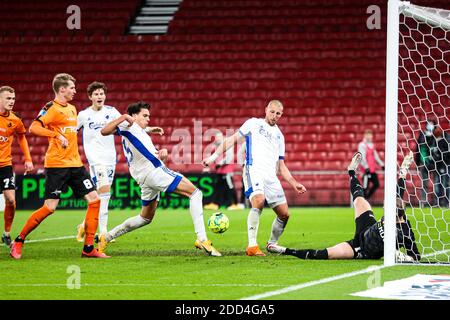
column 147, row 167
column 368, row 242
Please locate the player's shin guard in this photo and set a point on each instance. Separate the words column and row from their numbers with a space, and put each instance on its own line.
column 33, row 221
column 10, row 211
column 355, row 187
column 308, row 254
column 103, row 217
column 91, row 222
column 278, row 226
column 196, row 209
column 252, row 225
column 128, row 225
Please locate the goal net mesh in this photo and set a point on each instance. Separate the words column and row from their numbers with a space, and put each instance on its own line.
column 423, row 126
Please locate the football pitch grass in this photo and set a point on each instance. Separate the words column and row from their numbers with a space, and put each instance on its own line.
column 159, row 261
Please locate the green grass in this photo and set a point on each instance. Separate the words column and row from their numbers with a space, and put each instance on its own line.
column 159, row 261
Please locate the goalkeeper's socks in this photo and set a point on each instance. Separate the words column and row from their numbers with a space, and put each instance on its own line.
column 308, row 254
column 355, row 187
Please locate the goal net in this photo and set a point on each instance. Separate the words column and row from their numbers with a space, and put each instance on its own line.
column 418, row 111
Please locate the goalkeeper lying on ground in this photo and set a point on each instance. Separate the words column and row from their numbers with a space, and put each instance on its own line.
column 368, row 242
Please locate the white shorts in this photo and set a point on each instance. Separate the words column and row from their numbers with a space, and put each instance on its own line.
column 256, row 182
column 159, row 179
column 102, row 175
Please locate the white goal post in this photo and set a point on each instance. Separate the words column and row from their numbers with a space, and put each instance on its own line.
column 417, row 92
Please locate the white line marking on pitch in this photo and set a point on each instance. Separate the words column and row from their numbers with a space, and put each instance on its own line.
column 312, row 283
column 334, row 278
column 141, row 285
column 51, row 239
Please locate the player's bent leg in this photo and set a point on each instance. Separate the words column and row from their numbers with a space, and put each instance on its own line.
column 145, row 217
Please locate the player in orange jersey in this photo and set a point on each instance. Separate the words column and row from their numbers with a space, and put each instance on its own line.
column 63, row 166
column 10, row 125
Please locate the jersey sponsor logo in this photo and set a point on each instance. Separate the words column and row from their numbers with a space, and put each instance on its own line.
column 96, row 125
column 3, row 139
column 380, row 228
column 69, row 129
column 265, row 133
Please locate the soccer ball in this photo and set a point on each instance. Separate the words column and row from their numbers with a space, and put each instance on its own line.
column 218, row 222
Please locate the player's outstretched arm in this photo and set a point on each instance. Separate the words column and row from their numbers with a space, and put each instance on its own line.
column 287, row 176
column 224, row 146
column 111, row 127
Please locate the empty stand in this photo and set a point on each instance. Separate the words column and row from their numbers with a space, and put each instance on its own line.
column 220, row 64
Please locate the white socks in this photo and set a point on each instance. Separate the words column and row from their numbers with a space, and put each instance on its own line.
column 103, row 215
column 128, row 225
column 278, row 226
column 252, row 226
column 196, row 209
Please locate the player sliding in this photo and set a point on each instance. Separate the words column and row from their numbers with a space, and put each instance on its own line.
column 368, row 242
column 264, row 159
column 147, row 168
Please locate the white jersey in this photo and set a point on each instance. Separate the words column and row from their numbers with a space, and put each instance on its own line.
column 99, row 149
column 264, row 145
column 141, row 154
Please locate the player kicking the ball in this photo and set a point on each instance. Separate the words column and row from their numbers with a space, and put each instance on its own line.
column 368, row 242
column 264, row 159
column 148, row 169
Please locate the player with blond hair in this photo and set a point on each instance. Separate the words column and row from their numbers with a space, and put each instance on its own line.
column 265, row 153
column 10, row 125
column 63, row 167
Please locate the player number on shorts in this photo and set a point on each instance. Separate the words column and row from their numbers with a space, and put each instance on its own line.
column 6, row 181
column 87, row 184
